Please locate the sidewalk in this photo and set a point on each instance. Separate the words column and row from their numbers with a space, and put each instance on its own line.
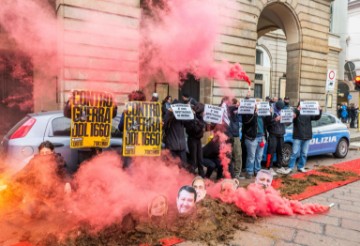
column 354, row 135
column 354, row 139
column 339, row 227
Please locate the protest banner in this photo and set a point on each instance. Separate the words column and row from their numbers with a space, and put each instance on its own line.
column 263, row 109
column 213, row 114
column 247, row 106
column 142, row 129
column 182, row 111
column 286, row 116
column 309, row 108
column 91, row 119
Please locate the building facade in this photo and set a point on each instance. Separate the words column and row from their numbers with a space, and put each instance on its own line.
column 293, row 37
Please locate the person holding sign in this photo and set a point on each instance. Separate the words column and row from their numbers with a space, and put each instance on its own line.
column 174, row 132
column 233, row 132
column 253, row 132
column 302, row 134
column 133, row 96
column 276, row 131
column 195, row 131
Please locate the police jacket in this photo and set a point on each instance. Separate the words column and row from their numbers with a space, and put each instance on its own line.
column 174, row 133
column 302, row 129
column 250, row 126
column 274, row 127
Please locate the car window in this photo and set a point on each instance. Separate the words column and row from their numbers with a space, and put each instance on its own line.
column 314, row 123
column 115, row 133
column 61, row 127
column 326, row 120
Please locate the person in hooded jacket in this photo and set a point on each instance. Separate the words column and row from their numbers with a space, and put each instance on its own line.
column 276, row 131
column 195, row 131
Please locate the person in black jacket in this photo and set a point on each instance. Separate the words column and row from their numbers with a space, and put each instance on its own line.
column 211, row 159
column 195, row 131
column 175, row 136
column 302, row 134
column 352, row 114
column 253, row 133
column 233, row 132
column 276, row 132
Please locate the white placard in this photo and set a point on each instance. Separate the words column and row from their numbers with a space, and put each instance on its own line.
column 309, row 108
column 330, row 80
column 263, row 109
column 247, row 106
column 213, row 114
column 286, row 116
column 182, row 111
column 225, row 115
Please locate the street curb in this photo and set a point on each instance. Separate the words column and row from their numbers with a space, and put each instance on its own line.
column 355, row 139
column 353, row 147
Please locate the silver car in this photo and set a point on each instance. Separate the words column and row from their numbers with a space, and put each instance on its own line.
column 22, row 141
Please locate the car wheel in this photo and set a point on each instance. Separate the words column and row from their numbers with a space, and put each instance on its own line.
column 342, row 148
column 286, row 152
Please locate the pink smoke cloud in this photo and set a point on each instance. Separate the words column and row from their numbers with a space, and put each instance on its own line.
column 224, row 153
column 32, row 25
column 106, row 192
column 257, row 201
column 183, row 37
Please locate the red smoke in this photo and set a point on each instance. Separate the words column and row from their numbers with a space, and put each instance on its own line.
column 103, row 193
column 106, row 192
column 224, row 153
column 183, row 37
column 32, row 25
column 257, row 201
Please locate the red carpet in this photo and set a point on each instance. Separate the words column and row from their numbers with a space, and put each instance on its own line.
column 352, row 166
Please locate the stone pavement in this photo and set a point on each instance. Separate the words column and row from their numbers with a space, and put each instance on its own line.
column 339, row 227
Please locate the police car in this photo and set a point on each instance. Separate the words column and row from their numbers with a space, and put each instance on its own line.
column 330, row 135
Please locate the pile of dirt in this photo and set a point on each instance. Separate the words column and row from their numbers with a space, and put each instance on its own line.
column 291, row 186
column 213, row 222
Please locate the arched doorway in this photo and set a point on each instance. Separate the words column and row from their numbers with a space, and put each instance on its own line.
column 190, row 86
column 278, row 30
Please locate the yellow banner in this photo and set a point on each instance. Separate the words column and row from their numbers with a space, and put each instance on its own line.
column 142, row 129
column 91, row 119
